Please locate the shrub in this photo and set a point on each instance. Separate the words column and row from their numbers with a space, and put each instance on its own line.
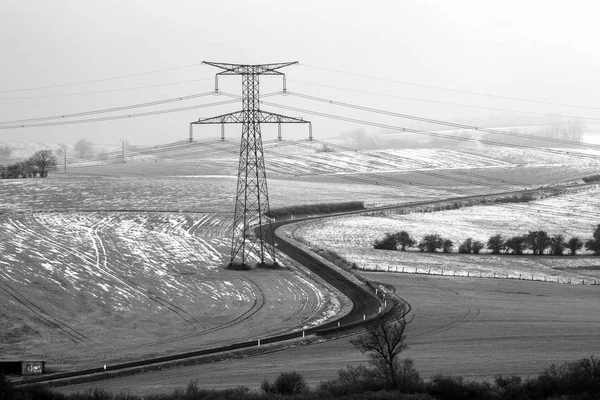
column 389, row 242
column 6, row 387
column 315, row 209
column 357, row 379
column 289, row 383
column 408, row 378
column 450, row 388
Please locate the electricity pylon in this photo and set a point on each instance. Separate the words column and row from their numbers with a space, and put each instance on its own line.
column 252, row 231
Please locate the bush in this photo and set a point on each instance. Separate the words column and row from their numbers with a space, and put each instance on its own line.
column 318, row 208
column 389, row 242
column 289, row 383
column 408, row 378
column 450, row 388
column 357, row 379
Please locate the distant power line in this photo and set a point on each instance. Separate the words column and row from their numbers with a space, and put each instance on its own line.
column 105, row 91
column 451, row 90
column 116, row 117
column 106, row 110
column 99, row 80
column 444, row 102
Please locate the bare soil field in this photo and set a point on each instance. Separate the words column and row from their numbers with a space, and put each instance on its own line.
column 477, row 328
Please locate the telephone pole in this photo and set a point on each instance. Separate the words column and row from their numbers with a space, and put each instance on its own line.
column 252, row 231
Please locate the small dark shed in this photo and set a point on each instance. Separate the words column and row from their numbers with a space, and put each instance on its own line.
column 21, row 367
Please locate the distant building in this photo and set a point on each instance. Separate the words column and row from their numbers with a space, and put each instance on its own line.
column 20, row 367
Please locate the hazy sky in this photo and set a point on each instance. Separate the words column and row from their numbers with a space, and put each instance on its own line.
column 539, row 50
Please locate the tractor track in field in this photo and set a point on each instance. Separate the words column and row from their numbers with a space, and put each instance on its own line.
column 47, row 319
column 259, row 301
column 364, row 303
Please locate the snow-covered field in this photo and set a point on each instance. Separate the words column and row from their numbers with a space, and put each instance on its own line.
column 82, row 288
column 572, row 214
column 119, row 262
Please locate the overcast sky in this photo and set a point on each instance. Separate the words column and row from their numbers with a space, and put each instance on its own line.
column 539, row 50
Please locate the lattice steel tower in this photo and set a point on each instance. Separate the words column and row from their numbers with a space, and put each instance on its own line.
column 252, row 231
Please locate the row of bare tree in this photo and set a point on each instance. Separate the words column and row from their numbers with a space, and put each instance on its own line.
column 538, row 242
column 37, row 166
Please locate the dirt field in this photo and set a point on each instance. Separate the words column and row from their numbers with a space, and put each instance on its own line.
column 477, row 328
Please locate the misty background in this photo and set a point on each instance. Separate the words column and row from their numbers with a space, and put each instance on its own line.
column 530, row 67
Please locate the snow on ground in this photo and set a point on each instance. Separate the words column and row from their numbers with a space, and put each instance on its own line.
column 572, row 214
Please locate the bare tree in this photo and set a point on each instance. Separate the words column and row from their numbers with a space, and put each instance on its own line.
column 496, row 244
column 5, row 152
column 404, row 240
column 594, row 244
column 384, row 340
column 43, row 161
column 447, row 245
column 83, row 147
column 432, row 242
column 574, row 244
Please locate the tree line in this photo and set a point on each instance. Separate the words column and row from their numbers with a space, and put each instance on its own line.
column 37, row 166
column 538, row 242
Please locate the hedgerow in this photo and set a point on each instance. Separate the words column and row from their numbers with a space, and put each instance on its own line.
column 319, row 208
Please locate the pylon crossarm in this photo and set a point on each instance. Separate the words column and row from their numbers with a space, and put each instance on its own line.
column 265, row 117
column 242, row 69
column 229, row 118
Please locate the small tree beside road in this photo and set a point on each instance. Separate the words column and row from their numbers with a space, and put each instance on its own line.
column 384, row 340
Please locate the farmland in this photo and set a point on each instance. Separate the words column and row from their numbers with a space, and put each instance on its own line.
column 120, row 262
column 571, row 214
column 85, row 288
column 473, row 328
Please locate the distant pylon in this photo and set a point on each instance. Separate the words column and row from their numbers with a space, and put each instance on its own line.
column 252, row 197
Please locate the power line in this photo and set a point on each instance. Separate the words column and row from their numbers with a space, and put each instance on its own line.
column 439, row 122
column 445, row 102
column 106, row 110
column 98, row 80
column 451, row 90
column 145, row 114
column 105, row 91
column 422, row 132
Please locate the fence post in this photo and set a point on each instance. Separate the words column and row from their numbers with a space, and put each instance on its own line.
column 258, row 342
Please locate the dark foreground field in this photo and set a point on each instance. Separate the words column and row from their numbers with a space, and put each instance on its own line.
column 477, row 328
